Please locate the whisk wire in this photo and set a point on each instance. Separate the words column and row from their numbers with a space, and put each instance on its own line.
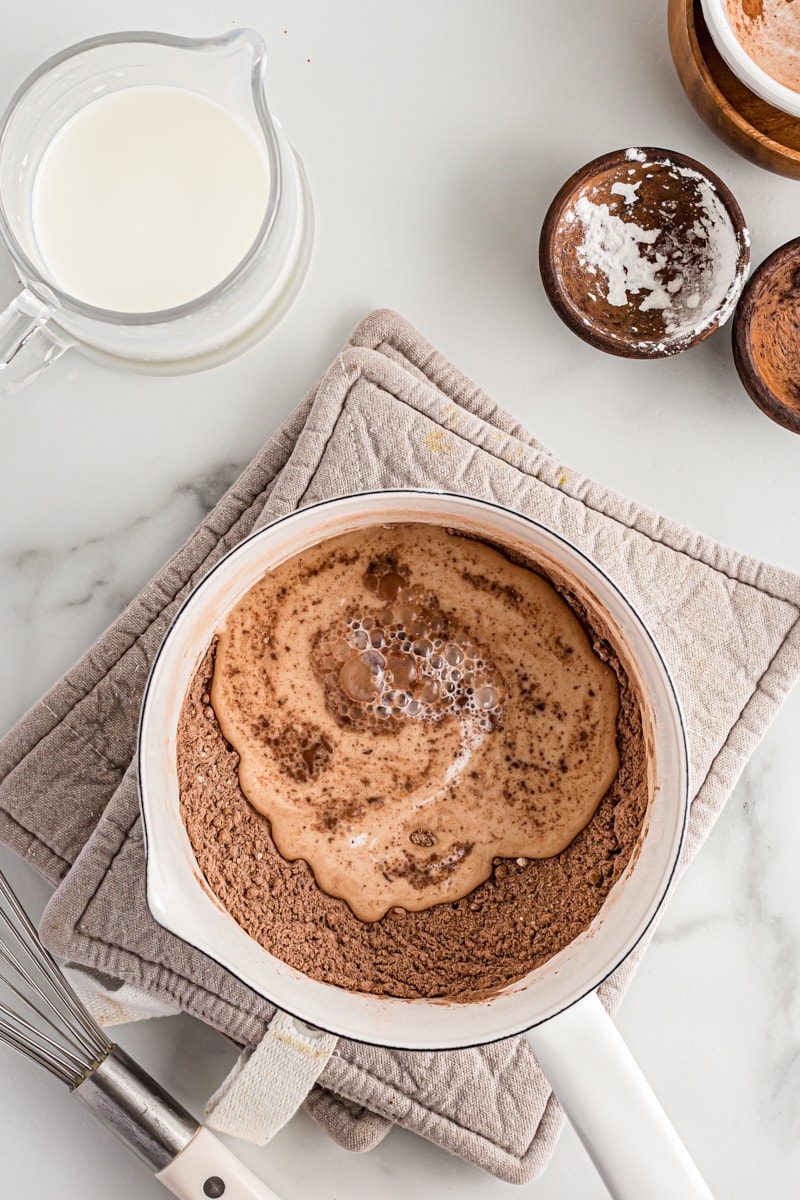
column 18, row 1019
column 33, row 1051
column 43, row 960
column 64, row 1030
column 25, row 975
column 80, row 1038
column 23, row 1030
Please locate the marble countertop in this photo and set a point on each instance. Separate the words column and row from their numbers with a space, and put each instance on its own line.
column 434, row 136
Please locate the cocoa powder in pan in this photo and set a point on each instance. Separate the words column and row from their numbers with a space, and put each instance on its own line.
column 526, row 912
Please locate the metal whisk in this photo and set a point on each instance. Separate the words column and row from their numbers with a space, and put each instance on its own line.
column 79, row 1044
column 46, row 1020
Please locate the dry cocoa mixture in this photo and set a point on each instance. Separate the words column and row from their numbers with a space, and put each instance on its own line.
column 527, row 911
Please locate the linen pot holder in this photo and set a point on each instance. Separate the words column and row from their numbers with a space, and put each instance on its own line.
column 390, row 412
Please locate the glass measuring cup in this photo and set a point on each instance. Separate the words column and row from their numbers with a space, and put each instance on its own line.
column 44, row 321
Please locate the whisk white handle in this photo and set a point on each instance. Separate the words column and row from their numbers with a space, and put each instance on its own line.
column 207, row 1170
column 185, row 1156
column 188, row 1160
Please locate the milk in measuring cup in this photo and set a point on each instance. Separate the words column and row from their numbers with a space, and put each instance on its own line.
column 148, row 198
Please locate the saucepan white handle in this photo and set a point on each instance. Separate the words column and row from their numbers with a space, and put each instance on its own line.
column 206, row 1169
column 610, row 1104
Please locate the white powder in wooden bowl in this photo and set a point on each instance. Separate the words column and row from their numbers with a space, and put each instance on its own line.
column 686, row 267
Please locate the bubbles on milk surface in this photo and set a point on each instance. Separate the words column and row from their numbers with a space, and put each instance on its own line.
column 401, row 662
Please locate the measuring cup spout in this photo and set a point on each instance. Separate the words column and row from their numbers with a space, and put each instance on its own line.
column 28, row 343
column 234, row 67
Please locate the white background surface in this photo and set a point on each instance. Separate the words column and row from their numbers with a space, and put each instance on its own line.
column 434, row 133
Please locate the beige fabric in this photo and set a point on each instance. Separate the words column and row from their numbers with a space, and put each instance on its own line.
column 268, row 1084
column 111, row 1001
column 390, row 412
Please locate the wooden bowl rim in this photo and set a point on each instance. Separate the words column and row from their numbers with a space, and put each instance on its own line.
column 590, row 333
column 747, row 366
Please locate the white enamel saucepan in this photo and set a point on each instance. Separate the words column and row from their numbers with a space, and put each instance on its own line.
column 607, row 1099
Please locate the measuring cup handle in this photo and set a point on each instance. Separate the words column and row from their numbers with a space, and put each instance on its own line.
column 609, row 1103
column 28, row 343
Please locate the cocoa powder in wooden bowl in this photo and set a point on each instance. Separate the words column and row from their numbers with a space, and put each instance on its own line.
column 644, row 252
column 766, row 336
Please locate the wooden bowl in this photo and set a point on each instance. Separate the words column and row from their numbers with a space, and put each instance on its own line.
column 644, row 252
column 766, row 336
column 765, row 135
